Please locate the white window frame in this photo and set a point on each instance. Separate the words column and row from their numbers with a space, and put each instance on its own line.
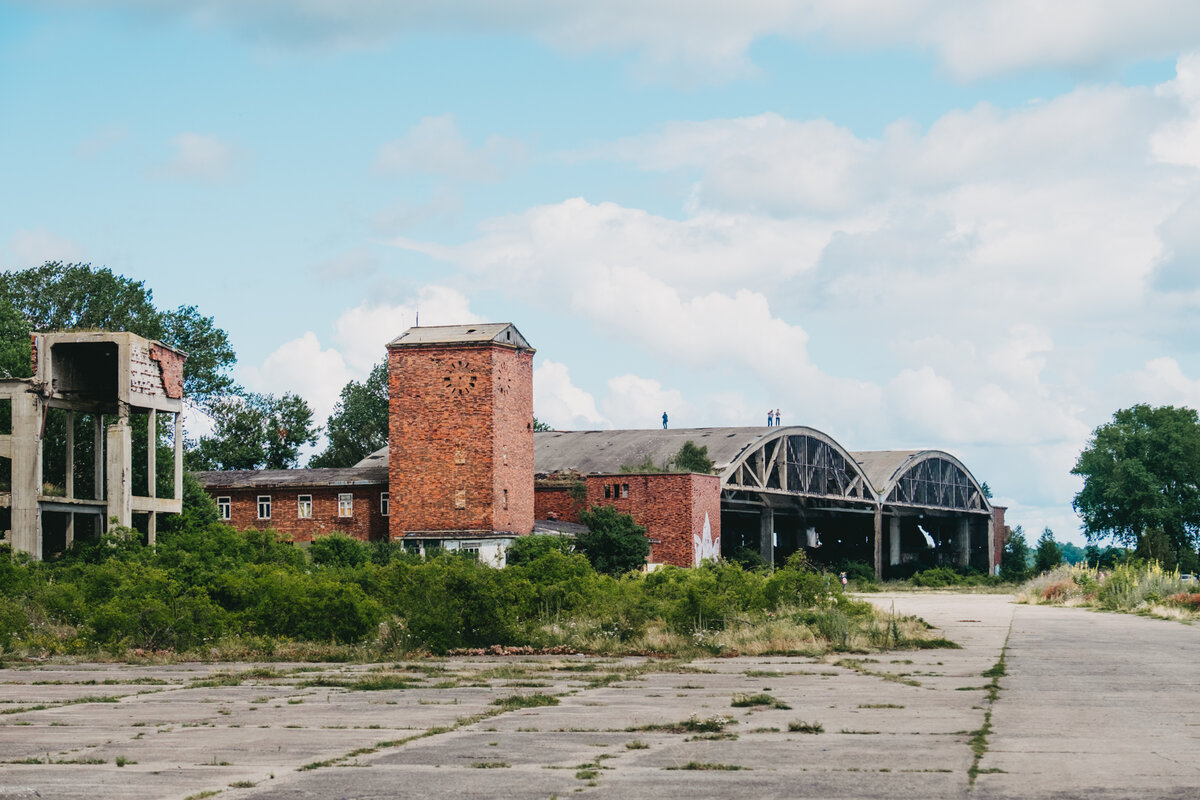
column 264, row 500
column 384, row 503
column 225, row 507
column 345, row 504
column 304, row 502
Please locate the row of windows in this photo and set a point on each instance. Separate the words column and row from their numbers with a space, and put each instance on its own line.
column 612, row 490
column 304, row 506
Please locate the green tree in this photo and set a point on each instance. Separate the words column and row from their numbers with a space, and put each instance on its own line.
column 257, row 431
column 1141, row 473
column 1048, row 554
column 358, row 425
column 58, row 296
column 15, row 354
column 540, row 427
column 614, row 543
column 1014, row 563
column 691, row 458
column 526, row 549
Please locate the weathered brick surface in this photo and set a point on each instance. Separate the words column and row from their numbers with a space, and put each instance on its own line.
column 367, row 522
column 555, row 502
column 999, row 532
column 170, row 363
column 672, row 506
column 461, row 438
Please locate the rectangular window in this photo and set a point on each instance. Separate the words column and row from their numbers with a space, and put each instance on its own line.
column 460, row 499
column 616, row 490
column 264, row 506
column 506, row 498
column 624, row 490
column 383, row 503
column 607, row 491
column 225, row 507
column 346, row 505
column 304, row 506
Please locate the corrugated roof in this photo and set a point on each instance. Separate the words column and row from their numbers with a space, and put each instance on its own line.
column 293, row 478
column 504, row 333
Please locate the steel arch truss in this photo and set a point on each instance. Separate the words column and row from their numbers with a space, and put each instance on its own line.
column 806, row 464
column 937, row 481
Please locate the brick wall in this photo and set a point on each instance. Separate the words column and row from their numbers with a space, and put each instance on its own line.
column 1000, row 532
column 672, row 506
column 367, row 522
column 554, row 501
column 460, row 435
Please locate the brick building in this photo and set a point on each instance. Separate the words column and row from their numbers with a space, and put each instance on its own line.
column 680, row 510
column 304, row 503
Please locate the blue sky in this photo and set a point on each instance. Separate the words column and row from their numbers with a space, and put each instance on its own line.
column 908, row 223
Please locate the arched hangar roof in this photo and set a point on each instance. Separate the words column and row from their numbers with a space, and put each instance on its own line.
column 922, row 478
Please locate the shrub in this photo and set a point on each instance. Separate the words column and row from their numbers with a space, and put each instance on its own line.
column 525, row 549
column 937, row 578
column 339, row 550
column 614, row 543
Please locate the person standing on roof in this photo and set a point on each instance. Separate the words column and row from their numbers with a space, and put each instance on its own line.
column 770, row 422
column 777, row 418
column 664, row 420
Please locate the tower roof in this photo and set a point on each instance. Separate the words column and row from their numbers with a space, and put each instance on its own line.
column 501, row 333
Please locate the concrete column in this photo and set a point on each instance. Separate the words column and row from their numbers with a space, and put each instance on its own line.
column 151, row 453
column 70, row 531
column 179, row 456
column 879, row 543
column 993, row 562
column 98, row 458
column 962, row 543
column 26, row 474
column 120, row 447
column 766, row 535
column 894, row 541
column 70, row 480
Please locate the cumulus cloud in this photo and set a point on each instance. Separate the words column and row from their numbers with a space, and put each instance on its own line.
column 32, row 248
column 712, row 40
column 198, row 156
column 302, row 366
column 435, row 146
column 561, row 404
column 635, row 402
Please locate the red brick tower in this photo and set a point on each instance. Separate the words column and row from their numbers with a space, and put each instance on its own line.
column 460, row 431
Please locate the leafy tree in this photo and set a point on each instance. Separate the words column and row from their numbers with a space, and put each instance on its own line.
column 1014, row 563
column 526, row 549
column 58, row 296
column 1072, row 553
column 339, row 550
column 691, row 458
column 614, row 543
column 257, row 431
column 1141, row 473
column 540, row 427
column 987, row 490
column 15, row 354
column 1107, row 558
column 358, row 425
column 1048, row 554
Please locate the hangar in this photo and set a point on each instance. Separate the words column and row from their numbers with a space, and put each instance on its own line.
column 787, row 488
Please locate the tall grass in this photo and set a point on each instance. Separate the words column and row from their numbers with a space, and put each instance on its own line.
column 1138, row 587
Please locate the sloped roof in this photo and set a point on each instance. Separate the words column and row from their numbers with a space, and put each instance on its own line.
column 880, row 466
column 503, row 333
column 293, row 478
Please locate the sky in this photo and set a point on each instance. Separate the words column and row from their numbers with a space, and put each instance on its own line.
column 909, row 224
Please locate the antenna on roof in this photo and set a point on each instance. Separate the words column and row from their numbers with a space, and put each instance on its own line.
column 418, row 319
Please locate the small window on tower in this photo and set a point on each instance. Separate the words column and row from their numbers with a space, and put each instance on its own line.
column 460, row 498
column 383, row 504
column 506, row 498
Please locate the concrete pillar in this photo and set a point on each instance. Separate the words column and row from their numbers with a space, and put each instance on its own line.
column 70, row 531
column 151, row 453
column 70, row 480
column 179, row 456
column 991, row 537
column 766, row 535
column 98, row 458
column 879, row 543
column 962, row 543
column 120, row 447
column 894, row 541
column 26, row 474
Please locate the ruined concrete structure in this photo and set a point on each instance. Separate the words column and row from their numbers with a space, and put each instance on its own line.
column 99, row 395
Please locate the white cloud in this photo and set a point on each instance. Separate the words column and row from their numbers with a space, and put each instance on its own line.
column 201, row 157
column 32, row 248
column 435, row 146
column 634, row 402
column 712, row 40
column 303, row 367
column 1162, row 382
column 362, row 333
column 561, row 404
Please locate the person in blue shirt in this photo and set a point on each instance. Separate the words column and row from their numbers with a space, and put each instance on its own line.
column 664, row 420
